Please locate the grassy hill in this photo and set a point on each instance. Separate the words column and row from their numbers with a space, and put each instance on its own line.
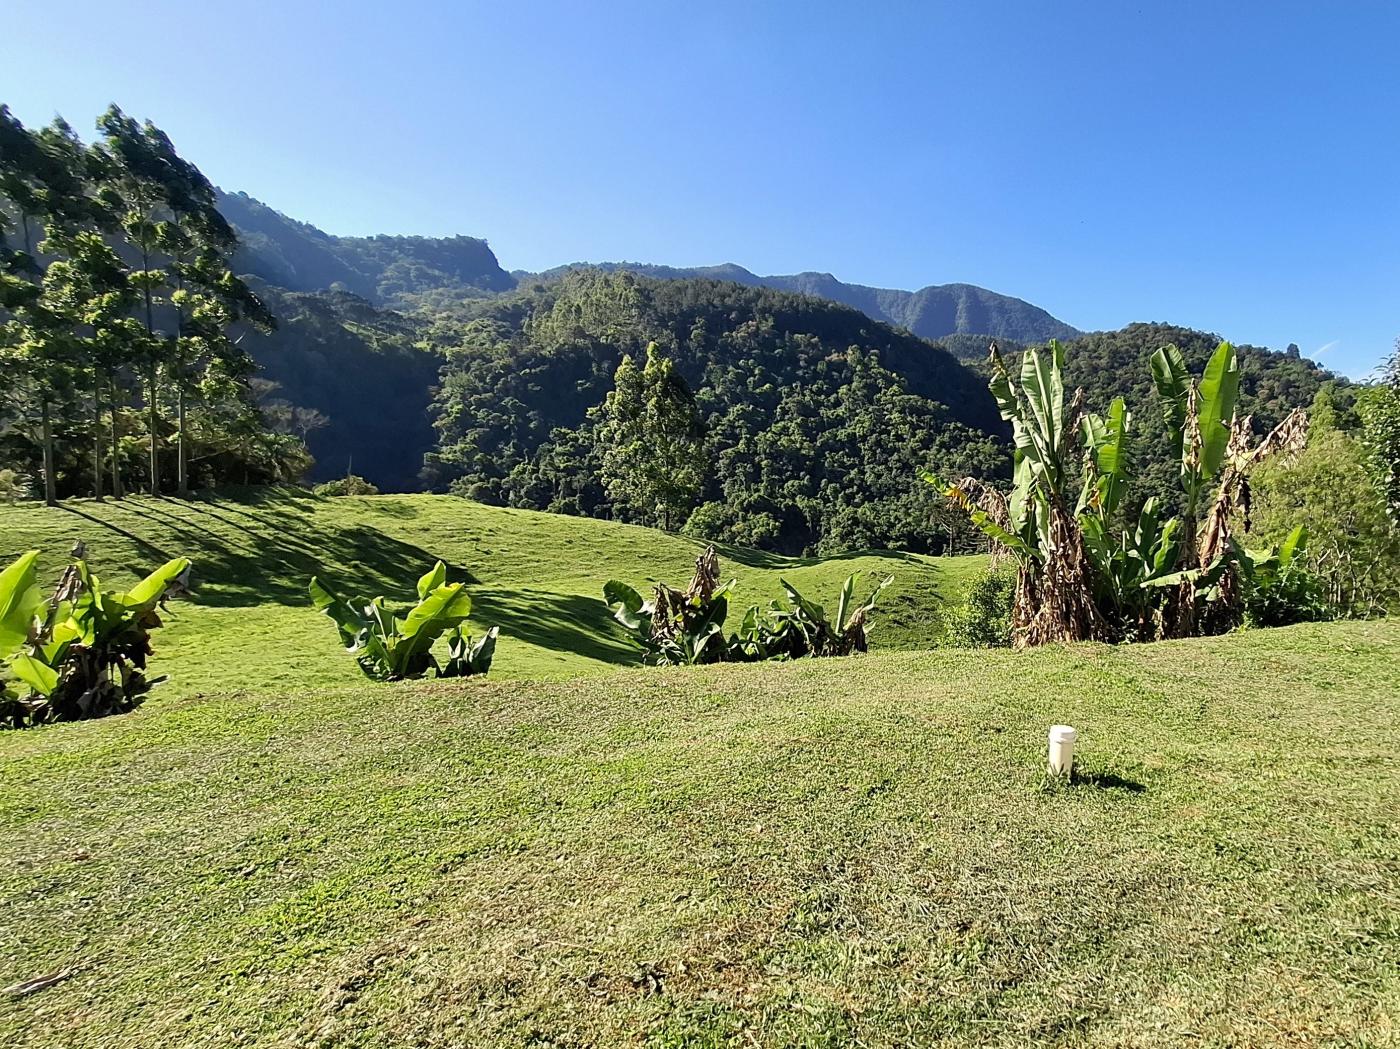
column 539, row 577
column 817, row 853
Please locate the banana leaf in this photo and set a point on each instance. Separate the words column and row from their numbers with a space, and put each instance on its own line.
column 20, row 601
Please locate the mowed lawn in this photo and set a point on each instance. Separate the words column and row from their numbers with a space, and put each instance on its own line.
column 819, row 853
column 539, row 577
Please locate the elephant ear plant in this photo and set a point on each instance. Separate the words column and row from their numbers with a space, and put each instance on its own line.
column 81, row 654
column 802, row 628
column 677, row 626
column 391, row 648
column 687, row 627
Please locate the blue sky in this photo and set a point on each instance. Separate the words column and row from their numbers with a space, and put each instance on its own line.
column 1232, row 167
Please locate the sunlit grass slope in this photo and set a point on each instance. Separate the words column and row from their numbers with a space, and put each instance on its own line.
column 821, row 853
column 539, row 577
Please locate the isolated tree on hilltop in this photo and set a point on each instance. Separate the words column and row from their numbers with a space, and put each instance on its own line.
column 649, row 437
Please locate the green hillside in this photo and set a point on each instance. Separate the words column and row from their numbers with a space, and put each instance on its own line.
column 816, row 853
column 299, row 257
column 539, row 577
column 933, row 312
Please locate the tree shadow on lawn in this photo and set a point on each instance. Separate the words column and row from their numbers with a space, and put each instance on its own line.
column 274, row 565
column 765, row 559
column 558, row 622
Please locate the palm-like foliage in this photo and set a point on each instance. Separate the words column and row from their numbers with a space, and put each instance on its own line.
column 1089, row 573
column 687, row 627
column 82, row 654
column 390, row 647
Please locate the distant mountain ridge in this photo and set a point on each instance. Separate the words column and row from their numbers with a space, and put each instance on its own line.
column 393, row 271
column 931, row 313
column 382, row 269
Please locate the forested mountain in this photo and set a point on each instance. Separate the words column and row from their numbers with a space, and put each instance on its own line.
column 402, row 271
column 815, row 419
column 366, row 370
column 382, row 269
column 930, row 313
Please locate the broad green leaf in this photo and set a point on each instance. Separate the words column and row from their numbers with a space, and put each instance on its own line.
column 625, row 602
column 1173, row 382
column 432, row 579
column 1042, row 384
column 146, row 594
column 1294, row 545
column 440, row 611
column 350, row 622
column 38, row 675
column 1220, row 388
column 844, row 601
column 20, row 601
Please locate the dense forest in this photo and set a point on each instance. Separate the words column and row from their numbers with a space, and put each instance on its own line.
column 139, row 358
column 931, row 313
column 814, row 417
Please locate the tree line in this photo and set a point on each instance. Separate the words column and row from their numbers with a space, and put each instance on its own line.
column 121, row 320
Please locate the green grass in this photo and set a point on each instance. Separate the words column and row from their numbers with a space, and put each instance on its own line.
column 815, row 853
column 539, row 577
column 273, row 852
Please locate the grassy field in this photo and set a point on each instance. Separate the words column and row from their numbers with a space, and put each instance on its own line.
column 819, row 854
column 272, row 852
column 539, row 577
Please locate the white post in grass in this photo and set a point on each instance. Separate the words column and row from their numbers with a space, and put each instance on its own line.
column 1062, row 739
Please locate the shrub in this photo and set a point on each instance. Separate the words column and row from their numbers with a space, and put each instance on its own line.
column 15, row 486
column 392, row 648
column 687, row 627
column 351, row 484
column 1279, row 588
column 1353, row 548
column 983, row 620
column 83, row 654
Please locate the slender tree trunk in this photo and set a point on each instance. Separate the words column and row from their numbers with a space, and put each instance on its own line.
column 116, row 439
column 153, row 423
column 50, row 481
column 97, row 435
column 182, row 467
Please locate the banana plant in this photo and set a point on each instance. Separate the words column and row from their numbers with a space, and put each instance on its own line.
column 801, row 628
column 86, row 652
column 676, row 627
column 1199, row 418
column 1055, row 593
column 20, row 603
column 466, row 657
column 1279, row 589
column 389, row 647
column 1217, row 450
column 1126, row 559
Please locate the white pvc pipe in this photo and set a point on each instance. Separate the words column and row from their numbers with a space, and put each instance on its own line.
column 1062, row 739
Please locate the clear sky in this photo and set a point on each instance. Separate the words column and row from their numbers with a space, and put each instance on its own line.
column 1227, row 166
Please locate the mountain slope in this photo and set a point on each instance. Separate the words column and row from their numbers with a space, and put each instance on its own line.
column 930, row 313
column 299, row 257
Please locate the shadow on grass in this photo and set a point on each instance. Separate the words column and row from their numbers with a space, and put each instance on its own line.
column 560, row 622
column 1107, row 781
column 750, row 558
column 156, row 554
column 246, row 558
